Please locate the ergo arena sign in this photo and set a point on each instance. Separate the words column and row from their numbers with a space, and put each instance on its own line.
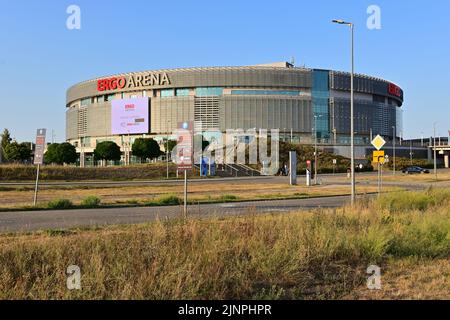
column 394, row 90
column 133, row 81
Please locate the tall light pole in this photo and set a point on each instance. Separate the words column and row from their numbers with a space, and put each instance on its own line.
column 129, row 148
column 352, row 96
column 393, row 145
column 434, row 149
column 167, row 151
column 315, row 149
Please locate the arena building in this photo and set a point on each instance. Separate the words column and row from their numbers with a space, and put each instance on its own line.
column 302, row 103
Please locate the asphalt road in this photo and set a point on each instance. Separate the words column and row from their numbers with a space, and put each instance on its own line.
column 62, row 219
column 234, row 180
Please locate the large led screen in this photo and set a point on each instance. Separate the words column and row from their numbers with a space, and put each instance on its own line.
column 129, row 116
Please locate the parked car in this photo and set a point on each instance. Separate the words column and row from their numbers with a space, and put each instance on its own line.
column 414, row 169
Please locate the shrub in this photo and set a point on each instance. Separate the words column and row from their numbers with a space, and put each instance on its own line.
column 228, row 197
column 118, row 173
column 407, row 200
column 168, row 200
column 401, row 163
column 60, row 204
column 58, row 232
column 91, row 201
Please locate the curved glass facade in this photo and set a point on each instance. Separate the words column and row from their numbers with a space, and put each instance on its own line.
column 320, row 94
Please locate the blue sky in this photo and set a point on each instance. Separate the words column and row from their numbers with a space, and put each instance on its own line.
column 40, row 58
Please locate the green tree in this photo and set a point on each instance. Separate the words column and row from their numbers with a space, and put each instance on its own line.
column 5, row 140
column 66, row 153
column 306, row 152
column 145, row 148
column 17, row 152
column 51, row 155
column 172, row 144
column 60, row 153
column 107, row 150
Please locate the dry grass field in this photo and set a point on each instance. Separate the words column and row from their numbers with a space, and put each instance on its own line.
column 20, row 197
column 321, row 254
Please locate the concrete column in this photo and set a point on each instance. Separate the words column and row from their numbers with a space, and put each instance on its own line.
column 82, row 159
column 292, row 168
column 446, row 161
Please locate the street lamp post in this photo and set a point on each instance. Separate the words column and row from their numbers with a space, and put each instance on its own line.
column 393, row 144
column 352, row 131
column 167, row 151
column 315, row 149
column 82, row 155
column 129, row 149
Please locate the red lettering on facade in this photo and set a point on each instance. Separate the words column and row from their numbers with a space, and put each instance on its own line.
column 394, row 90
column 111, row 84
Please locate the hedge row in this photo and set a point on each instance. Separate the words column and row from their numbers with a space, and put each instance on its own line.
column 24, row 172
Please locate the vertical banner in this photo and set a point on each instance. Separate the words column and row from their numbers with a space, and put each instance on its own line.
column 184, row 157
column 184, row 148
column 39, row 157
column 40, row 146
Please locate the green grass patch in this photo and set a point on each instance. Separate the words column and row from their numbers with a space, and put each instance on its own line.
column 91, row 202
column 228, row 197
column 408, row 200
column 60, row 204
column 165, row 200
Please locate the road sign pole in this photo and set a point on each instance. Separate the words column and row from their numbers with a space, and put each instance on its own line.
column 379, row 179
column 36, row 186
column 38, row 158
column 185, row 194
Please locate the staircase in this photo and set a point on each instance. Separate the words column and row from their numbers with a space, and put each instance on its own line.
column 236, row 170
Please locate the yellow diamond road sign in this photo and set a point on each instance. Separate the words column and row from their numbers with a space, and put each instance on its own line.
column 378, row 142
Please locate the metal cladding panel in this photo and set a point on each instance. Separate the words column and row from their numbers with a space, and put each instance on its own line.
column 72, row 123
column 249, row 112
column 376, row 116
column 166, row 113
column 206, row 112
column 99, row 119
column 206, row 77
column 363, row 84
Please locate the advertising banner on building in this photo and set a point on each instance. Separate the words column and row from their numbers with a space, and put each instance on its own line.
column 130, row 116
